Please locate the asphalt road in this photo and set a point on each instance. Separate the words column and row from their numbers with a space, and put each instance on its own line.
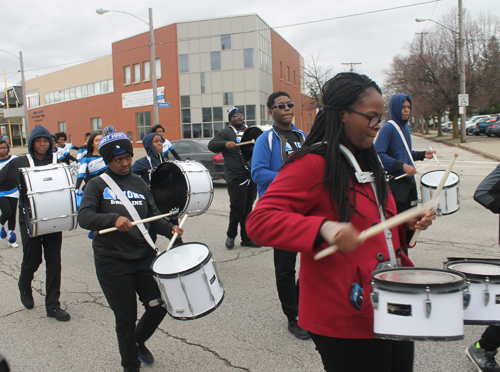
column 248, row 331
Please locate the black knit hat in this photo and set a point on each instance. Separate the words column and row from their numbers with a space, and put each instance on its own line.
column 232, row 111
column 114, row 144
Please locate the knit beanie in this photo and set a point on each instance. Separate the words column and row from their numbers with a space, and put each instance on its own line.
column 114, row 144
column 232, row 111
column 108, row 130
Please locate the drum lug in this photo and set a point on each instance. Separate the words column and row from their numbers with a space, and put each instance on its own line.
column 374, row 299
column 466, row 294
column 486, row 292
column 187, row 298
column 428, row 306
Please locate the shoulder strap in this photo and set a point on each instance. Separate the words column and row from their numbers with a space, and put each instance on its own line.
column 32, row 163
column 404, row 140
column 128, row 205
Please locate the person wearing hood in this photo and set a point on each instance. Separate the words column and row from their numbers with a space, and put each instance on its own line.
column 240, row 187
column 393, row 145
column 167, row 145
column 40, row 149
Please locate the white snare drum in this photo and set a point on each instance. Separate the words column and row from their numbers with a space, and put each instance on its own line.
column 449, row 198
column 484, row 288
column 182, row 187
column 188, row 281
column 49, row 199
column 418, row 304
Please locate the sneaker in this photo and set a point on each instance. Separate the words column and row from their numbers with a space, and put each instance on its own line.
column 13, row 245
column 12, row 237
column 297, row 331
column 482, row 359
column 249, row 243
column 3, row 233
column 145, row 355
column 138, row 369
column 26, row 297
column 229, row 243
column 59, row 314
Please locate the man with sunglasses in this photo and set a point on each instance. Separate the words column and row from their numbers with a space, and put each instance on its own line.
column 242, row 191
column 270, row 151
column 393, row 145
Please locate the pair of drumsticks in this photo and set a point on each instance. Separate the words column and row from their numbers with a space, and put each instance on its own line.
column 405, row 174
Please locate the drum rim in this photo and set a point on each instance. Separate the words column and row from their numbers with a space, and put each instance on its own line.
column 187, row 271
column 415, row 288
column 422, row 183
column 152, row 188
column 475, row 278
column 209, row 311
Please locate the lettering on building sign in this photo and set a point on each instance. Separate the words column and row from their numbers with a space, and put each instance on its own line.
column 37, row 115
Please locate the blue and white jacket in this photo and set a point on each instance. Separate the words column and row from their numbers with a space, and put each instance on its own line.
column 269, row 153
column 90, row 166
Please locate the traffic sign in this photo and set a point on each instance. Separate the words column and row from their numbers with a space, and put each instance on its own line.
column 160, row 96
column 163, row 104
column 463, row 100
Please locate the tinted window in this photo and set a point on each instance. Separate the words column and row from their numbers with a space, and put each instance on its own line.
column 183, row 147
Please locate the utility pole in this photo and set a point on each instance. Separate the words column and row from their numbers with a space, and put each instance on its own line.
column 351, row 64
column 461, row 41
column 421, row 41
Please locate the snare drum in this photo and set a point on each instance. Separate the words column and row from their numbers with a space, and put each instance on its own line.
column 246, row 151
column 484, row 288
column 418, row 304
column 449, row 198
column 181, row 187
column 188, row 281
column 49, row 199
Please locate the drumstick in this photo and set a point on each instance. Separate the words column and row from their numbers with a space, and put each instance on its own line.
column 149, row 219
column 397, row 220
column 435, row 158
column 176, row 234
column 245, row 143
column 436, row 195
column 399, row 177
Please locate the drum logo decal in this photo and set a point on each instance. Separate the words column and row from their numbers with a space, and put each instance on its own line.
column 47, row 179
column 108, row 194
column 497, row 300
column 399, row 309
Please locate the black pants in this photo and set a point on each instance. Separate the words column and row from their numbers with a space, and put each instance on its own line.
column 490, row 339
column 50, row 245
column 288, row 290
column 8, row 206
column 120, row 280
column 405, row 195
column 242, row 194
column 361, row 355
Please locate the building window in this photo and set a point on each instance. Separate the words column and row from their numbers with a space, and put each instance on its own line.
column 225, row 41
column 217, row 114
column 72, row 93
column 158, row 68
column 287, row 74
column 207, row 130
column 183, row 63
column 104, row 85
column 185, row 101
column 62, row 126
column 202, row 80
column 137, row 73
column 85, row 92
column 143, row 123
column 228, row 98
column 126, row 75
column 78, row 91
column 97, row 88
column 262, row 112
column 248, row 57
column 215, row 60
column 218, row 127
column 186, row 130
column 129, row 135
column 186, row 115
column 96, row 125
column 250, row 112
column 90, row 89
column 146, row 70
column 197, row 131
column 207, row 114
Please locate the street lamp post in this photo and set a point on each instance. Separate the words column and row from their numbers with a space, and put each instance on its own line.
column 153, row 56
column 461, row 42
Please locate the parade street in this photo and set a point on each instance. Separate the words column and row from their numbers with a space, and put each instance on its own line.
column 248, row 332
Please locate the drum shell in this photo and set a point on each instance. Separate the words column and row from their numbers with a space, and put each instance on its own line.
column 194, row 291
column 401, row 310
column 49, row 199
column 478, row 312
column 449, row 198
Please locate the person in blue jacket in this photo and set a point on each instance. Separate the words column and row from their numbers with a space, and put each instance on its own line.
column 270, row 151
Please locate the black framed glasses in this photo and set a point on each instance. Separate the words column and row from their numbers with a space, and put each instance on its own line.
column 374, row 120
column 283, row 106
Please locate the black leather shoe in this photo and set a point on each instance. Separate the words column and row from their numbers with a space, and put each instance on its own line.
column 229, row 243
column 145, row 355
column 297, row 331
column 249, row 243
column 59, row 314
column 26, row 297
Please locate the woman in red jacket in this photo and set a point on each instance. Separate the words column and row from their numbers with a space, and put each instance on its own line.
column 317, row 199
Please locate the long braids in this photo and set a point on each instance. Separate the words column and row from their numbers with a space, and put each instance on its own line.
column 340, row 93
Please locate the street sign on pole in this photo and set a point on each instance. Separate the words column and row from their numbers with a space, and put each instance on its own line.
column 163, row 104
column 463, row 100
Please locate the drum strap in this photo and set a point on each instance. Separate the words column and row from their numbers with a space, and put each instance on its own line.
column 130, row 208
column 32, row 163
column 398, row 128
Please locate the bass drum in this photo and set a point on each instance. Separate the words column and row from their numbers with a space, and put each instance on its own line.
column 246, row 151
column 181, row 187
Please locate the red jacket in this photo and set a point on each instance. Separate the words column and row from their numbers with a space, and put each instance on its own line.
column 289, row 216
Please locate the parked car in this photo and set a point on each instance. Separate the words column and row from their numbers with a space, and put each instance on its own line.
column 493, row 129
column 482, row 124
column 470, row 125
column 197, row 149
column 447, row 127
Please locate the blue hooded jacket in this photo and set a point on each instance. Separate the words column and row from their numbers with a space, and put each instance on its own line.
column 143, row 166
column 389, row 146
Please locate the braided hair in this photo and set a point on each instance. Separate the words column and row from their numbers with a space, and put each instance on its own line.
column 340, row 93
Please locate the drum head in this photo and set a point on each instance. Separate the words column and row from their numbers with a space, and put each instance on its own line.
column 169, row 188
column 180, row 259
column 246, row 151
column 476, row 269
column 432, row 179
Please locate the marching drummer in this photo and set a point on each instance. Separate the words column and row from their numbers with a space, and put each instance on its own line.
column 123, row 258
column 40, row 153
column 167, row 145
column 240, row 187
column 316, row 200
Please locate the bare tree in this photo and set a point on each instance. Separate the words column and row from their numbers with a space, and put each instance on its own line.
column 315, row 76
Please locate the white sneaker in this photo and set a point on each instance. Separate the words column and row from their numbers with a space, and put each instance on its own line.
column 13, row 245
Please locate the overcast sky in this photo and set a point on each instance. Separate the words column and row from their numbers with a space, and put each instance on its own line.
column 58, row 32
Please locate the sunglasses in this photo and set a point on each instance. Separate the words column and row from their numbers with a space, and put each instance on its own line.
column 283, row 106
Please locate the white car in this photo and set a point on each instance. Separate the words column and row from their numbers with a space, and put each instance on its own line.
column 470, row 125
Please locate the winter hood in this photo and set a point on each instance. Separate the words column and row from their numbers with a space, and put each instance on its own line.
column 39, row 132
column 395, row 107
